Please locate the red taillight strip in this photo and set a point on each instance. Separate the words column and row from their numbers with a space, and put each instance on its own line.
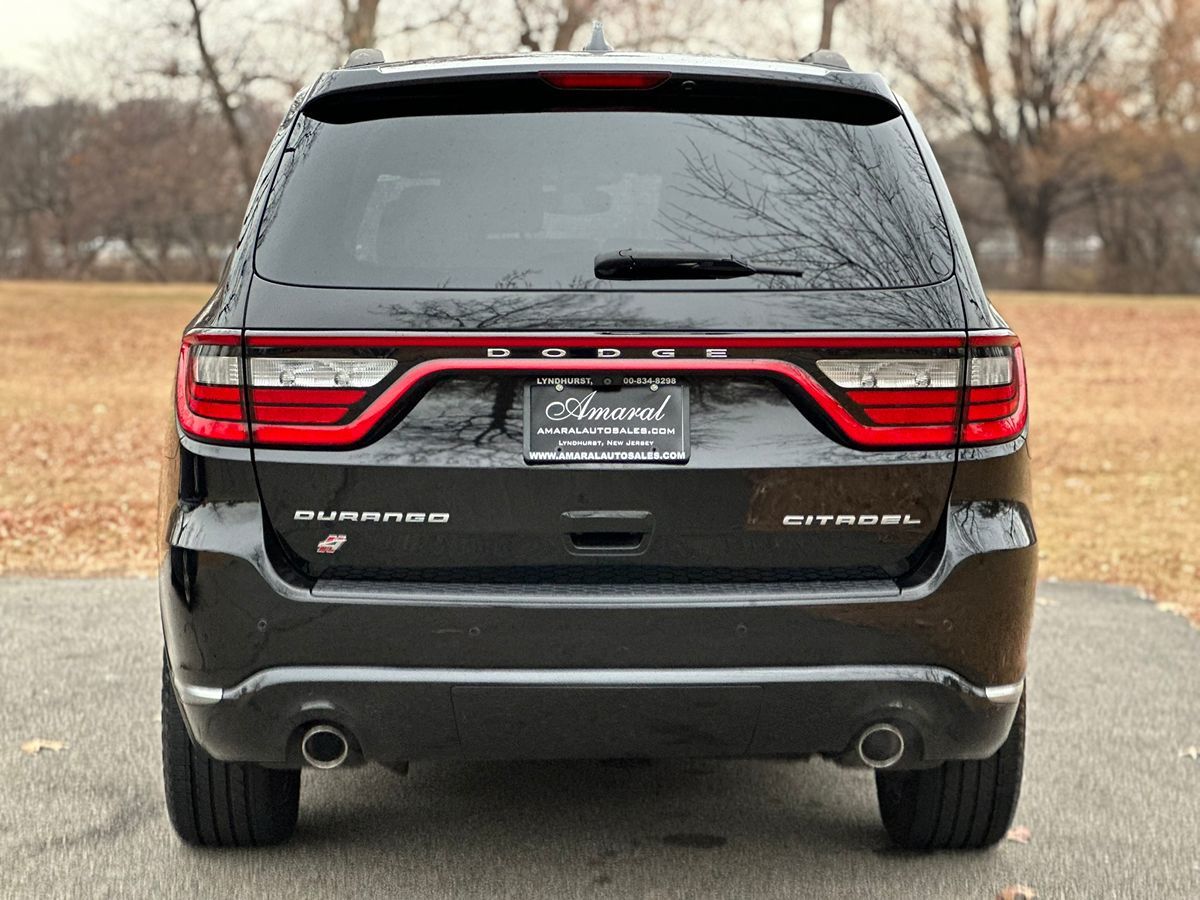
column 209, row 410
column 218, row 394
column 833, row 340
column 993, row 394
column 307, row 396
column 994, row 339
column 982, row 412
column 306, row 414
column 894, row 397
column 913, row 415
column 352, row 432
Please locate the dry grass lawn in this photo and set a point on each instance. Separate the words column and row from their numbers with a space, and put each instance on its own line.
column 85, row 385
column 85, row 374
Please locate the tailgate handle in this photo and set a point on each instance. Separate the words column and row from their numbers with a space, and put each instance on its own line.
column 607, row 531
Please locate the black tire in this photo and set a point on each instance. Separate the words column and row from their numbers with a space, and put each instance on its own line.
column 218, row 804
column 962, row 804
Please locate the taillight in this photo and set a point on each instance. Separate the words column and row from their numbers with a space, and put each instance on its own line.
column 997, row 406
column 901, row 402
column 208, row 393
column 919, row 401
column 212, row 402
column 310, row 390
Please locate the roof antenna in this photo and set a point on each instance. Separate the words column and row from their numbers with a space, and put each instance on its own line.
column 598, row 44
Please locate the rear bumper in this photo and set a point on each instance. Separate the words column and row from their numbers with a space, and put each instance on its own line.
column 394, row 714
column 417, row 671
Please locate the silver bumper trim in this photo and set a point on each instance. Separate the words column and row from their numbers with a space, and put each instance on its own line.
column 207, row 696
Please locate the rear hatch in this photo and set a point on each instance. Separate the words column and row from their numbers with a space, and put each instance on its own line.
column 442, row 388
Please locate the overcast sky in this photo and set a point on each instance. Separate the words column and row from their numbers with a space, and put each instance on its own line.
column 29, row 28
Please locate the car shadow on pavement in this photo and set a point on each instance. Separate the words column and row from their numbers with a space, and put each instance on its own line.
column 701, row 804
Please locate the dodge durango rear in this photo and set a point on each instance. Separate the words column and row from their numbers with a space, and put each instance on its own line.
column 598, row 405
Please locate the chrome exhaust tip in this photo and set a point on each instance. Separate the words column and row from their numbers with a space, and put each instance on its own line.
column 881, row 746
column 324, row 747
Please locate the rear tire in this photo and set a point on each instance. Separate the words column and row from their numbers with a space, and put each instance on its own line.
column 218, row 804
column 961, row 804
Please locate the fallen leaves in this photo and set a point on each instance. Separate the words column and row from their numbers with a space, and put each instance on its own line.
column 34, row 746
column 1017, row 892
column 1019, row 834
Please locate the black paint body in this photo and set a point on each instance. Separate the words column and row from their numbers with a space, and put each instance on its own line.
column 911, row 624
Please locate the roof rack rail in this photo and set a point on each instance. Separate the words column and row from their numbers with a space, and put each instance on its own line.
column 363, row 56
column 830, row 59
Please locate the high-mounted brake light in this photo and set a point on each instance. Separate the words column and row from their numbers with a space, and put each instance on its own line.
column 605, row 81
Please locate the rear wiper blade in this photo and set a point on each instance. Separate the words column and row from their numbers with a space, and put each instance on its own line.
column 638, row 265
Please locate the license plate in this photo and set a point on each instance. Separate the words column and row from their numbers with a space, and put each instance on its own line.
column 612, row 419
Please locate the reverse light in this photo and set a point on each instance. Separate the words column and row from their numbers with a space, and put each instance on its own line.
column 319, row 373
column 892, row 373
column 991, row 370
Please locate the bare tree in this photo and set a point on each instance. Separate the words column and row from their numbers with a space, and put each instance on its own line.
column 551, row 24
column 1144, row 189
column 224, row 99
column 358, row 23
column 1015, row 76
column 828, row 9
column 41, row 147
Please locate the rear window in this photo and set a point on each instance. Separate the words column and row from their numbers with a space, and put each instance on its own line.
column 527, row 200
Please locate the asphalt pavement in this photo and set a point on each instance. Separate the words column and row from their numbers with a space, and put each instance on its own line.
column 1111, row 800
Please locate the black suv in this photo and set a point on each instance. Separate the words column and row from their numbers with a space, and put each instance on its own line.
column 597, row 405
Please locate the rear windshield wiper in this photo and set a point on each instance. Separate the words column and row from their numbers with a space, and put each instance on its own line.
column 639, row 265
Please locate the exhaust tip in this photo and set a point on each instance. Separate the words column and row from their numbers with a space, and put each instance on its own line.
column 324, row 747
column 881, row 746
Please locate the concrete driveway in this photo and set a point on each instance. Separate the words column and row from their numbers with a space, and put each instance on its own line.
column 1112, row 799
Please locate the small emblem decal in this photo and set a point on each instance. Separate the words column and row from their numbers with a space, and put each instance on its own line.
column 331, row 544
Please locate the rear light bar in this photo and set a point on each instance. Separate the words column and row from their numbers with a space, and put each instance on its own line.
column 878, row 391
